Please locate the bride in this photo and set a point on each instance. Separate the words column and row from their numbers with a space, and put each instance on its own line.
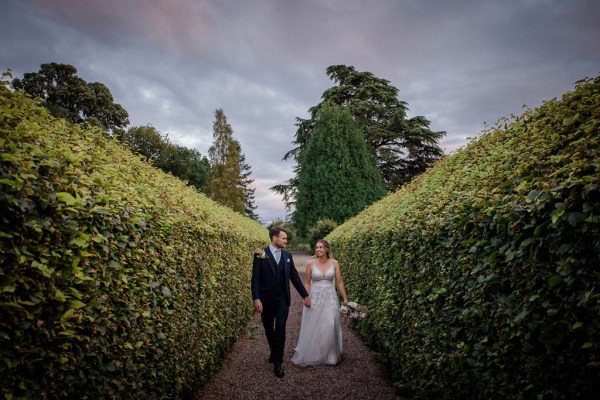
column 320, row 341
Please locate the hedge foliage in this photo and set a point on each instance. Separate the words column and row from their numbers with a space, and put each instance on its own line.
column 482, row 276
column 116, row 280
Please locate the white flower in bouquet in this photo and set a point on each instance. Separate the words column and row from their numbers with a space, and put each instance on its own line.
column 260, row 253
column 353, row 310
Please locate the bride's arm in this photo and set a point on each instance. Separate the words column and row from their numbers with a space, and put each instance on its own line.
column 307, row 276
column 339, row 282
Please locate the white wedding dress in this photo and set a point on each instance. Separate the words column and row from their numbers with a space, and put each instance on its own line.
column 320, row 341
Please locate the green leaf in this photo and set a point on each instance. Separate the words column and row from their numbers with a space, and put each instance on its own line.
column 60, row 296
column 81, row 241
column 8, row 182
column 532, row 195
column 76, row 293
column 66, row 198
column 521, row 315
column 593, row 364
column 76, row 304
column 8, row 289
column 43, row 268
column 554, row 280
column 109, row 366
column 8, row 157
column 575, row 218
column 67, row 315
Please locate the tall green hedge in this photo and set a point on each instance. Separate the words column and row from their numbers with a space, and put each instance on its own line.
column 116, row 280
column 481, row 277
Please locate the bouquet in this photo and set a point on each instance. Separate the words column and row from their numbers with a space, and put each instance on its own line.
column 353, row 310
column 260, row 253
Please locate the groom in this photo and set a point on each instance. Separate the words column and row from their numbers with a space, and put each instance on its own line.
column 272, row 271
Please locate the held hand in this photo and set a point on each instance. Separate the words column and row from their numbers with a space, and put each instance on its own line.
column 258, row 306
column 307, row 301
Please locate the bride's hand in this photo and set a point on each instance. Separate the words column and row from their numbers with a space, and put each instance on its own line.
column 307, row 301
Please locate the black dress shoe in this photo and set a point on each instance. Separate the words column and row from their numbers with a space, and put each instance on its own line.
column 278, row 370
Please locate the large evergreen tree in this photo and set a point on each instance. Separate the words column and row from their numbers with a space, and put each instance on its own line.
column 402, row 147
column 68, row 96
column 337, row 175
column 224, row 155
column 245, row 182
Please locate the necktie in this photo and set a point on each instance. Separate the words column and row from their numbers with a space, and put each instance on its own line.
column 277, row 256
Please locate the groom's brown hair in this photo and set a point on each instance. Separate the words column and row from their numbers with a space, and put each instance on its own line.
column 274, row 231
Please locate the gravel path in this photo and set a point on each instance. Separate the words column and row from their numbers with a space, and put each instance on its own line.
column 247, row 374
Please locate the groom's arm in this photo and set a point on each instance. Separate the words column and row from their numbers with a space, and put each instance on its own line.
column 297, row 282
column 255, row 283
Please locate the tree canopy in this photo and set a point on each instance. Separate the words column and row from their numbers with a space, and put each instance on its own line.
column 337, row 177
column 68, row 96
column 182, row 162
column 402, row 147
column 145, row 140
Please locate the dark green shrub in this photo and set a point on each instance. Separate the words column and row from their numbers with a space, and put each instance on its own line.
column 482, row 275
column 321, row 229
column 116, row 280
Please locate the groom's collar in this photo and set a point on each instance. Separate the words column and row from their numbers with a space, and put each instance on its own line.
column 272, row 248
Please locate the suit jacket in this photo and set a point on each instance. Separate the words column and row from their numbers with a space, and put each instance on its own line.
column 264, row 278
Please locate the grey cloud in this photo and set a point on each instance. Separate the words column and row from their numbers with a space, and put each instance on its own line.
column 172, row 63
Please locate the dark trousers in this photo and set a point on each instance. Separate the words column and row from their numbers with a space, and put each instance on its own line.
column 274, row 318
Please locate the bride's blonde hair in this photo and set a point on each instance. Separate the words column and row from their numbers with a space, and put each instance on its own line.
column 325, row 244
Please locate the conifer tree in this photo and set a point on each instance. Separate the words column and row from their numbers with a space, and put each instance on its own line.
column 245, row 182
column 223, row 183
column 337, row 175
column 402, row 147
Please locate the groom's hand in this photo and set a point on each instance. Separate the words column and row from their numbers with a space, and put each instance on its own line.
column 258, row 306
column 307, row 301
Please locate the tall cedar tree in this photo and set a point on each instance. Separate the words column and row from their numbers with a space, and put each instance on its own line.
column 337, row 177
column 402, row 147
column 224, row 154
column 68, row 96
column 245, row 182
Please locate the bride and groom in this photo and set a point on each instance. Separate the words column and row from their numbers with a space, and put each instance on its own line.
column 320, row 341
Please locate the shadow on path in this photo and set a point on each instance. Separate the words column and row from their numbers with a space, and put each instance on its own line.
column 247, row 374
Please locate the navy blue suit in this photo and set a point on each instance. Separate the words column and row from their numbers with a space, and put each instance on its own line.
column 271, row 285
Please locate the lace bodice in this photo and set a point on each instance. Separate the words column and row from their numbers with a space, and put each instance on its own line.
column 322, row 287
column 317, row 277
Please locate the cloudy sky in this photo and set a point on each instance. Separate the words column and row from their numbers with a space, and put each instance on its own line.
column 172, row 63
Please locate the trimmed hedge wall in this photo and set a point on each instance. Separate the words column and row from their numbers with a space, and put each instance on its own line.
column 481, row 277
column 116, row 280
